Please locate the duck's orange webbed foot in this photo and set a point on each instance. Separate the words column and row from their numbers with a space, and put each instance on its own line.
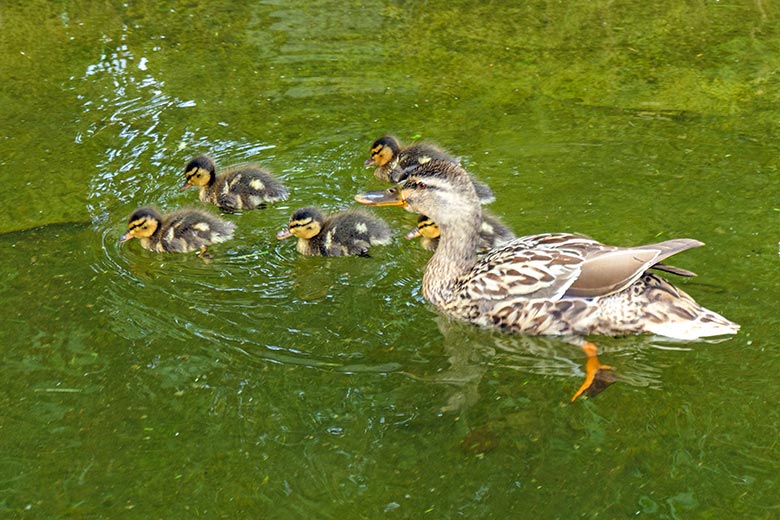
column 597, row 376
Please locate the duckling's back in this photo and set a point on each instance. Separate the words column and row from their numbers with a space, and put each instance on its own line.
column 353, row 232
column 415, row 155
column 493, row 233
column 191, row 229
column 245, row 187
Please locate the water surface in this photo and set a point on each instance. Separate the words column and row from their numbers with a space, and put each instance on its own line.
column 137, row 385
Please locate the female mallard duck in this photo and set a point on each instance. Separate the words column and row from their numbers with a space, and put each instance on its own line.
column 394, row 162
column 350, row 232
column 178, row 232
column 554, row 283
column 243, row 187
column 492, row 233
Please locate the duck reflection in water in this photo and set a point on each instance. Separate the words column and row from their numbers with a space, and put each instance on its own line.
column 471, row 352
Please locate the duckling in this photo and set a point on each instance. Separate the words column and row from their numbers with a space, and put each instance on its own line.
column 243, row 187
column 547, row 284
column 178, row 232
column 492, row 233
column 346, row 233
column 394, row 162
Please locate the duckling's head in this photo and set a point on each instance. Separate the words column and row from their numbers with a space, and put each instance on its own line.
column 199, row 172
column 439, row 189
column 304, row 223
column 426, row 228
column 383, row 151
column 142, row 224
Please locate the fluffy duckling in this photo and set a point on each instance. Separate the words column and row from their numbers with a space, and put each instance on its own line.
column 350, row 232
column 178, row 232
column 243, row 187
column 395, row 162
column 492, row 233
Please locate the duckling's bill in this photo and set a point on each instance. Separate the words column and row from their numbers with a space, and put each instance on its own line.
column 411, row 235
column 283, row 233
column 391, row 197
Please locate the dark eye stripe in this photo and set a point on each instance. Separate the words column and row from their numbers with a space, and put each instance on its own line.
column 299, row 223
column 420, row 185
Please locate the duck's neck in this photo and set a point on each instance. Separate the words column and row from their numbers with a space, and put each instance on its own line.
column 455, row 255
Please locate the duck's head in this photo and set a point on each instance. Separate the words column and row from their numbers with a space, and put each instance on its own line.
column 199, row 172
column 142, row 224
column 439, row 189
column 304, row 223
column 383, row 151
column 426, row 228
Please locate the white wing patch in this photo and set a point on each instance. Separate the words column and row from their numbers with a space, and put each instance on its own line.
column 361, row 227
column 257, row 184
column 328, row 242
column 232, row 183
column 202, row 226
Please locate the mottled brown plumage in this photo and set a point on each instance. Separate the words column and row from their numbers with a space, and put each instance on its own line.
column 178, row 232
column 346, row 233
column 243, row 187
column 554, row 283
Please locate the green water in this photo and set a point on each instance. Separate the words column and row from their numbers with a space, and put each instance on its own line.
column 265, row 384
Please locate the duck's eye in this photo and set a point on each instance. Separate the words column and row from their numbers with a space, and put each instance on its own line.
column 422, row 185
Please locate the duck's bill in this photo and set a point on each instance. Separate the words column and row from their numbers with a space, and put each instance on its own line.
column 186, row 185
column 125, row 237
column 369, row 162
column 284, row 233
column 411, row 235
column 391, row 197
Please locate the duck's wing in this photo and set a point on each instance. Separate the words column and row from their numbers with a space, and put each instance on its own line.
column 679, row 271
column 612, row 269
column 532, row 267
column 556, row 265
